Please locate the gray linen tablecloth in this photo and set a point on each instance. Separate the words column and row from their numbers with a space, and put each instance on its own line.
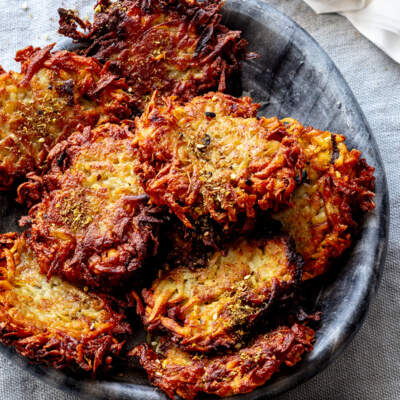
column 370, row 367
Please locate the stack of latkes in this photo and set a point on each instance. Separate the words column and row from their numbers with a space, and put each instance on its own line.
column 151, row 192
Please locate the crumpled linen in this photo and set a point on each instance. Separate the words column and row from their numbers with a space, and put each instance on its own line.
column 369, row 369
column 378, row 20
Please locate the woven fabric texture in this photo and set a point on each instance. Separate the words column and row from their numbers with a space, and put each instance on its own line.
column 369, row 369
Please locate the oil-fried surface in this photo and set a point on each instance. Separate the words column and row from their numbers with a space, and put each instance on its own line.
column 215, row 306
column 213, row 157
column 50, row 321
column 239, row 371
column 53, row 94
column 337, row 188
column 93, row 226
column 183, row 246
column 178, row 47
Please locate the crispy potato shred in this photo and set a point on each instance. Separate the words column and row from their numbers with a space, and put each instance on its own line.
column 214, row 307
column 238, row 371
column 147, row 185
column 52, row 322
column 178, row 47
column 93, row 226
column 337, row 188
column 53, row 94
column 212, row 156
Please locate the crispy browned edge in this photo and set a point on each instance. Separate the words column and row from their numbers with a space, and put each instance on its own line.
column 115, row 33
column 89, row 354
column 239, row 371
column 136, row 223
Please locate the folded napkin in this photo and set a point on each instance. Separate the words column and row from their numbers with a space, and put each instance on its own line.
column 378, row 20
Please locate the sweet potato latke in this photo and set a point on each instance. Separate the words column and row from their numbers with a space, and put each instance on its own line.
column 336, row 189
column 46, row 101
column 213, row 157
column 50, row 321
column 93, row 226
column 214, row 307
column 238, row 371
column 178, row 47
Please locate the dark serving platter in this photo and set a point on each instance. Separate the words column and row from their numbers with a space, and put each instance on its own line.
column 292, row 77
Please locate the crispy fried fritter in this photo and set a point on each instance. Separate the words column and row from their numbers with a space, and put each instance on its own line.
column 50, row 321
column 214, row 307
column 178, row 47
column 213, row 157
column 93, row 226
column 53, row 94
column 337, row 188
column 239, row 371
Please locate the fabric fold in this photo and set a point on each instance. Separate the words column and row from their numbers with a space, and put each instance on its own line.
column 377, row 20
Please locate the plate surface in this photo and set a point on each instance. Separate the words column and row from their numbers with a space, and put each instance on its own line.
column 292, row 77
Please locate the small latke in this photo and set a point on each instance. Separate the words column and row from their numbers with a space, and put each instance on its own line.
column 239, row 371
column 337, row 188
column 45, row 103
column 215, row 306
column 212, row 156
column 52, row 322
column 93, row 226
column 178, row 47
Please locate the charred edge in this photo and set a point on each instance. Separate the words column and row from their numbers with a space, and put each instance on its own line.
column 141, row 198
column 67, row 89
column 295, row 259
column 205, row 37
column 335, row 150
column 69, row 22
column 303, row 178
column 61, row 159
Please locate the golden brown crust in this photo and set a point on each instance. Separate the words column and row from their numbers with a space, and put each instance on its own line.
column 93, row 226
column 240, row 371
column 215, row 306
column 178, row 47
column 337, row 189
column 50, row 321
column 212, row 156
column 53, row 94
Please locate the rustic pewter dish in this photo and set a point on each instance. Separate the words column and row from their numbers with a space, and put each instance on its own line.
column 292, row 77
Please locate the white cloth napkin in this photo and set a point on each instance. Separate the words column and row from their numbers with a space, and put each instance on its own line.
column 378, row 20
